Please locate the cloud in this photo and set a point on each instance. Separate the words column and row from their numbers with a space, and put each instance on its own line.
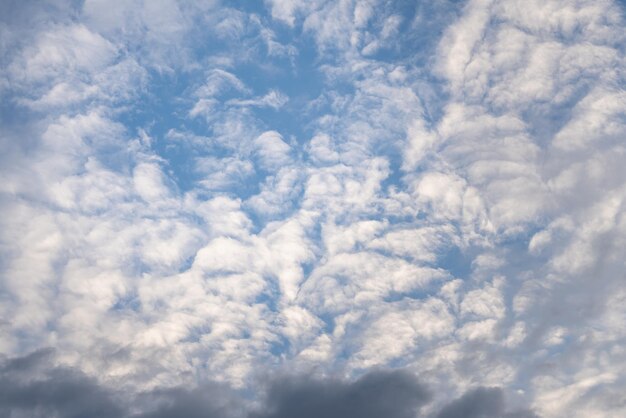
column 481, row 403
column 63, row 53
column 208, row 401
column 218, row 81
column 395, row 394
column 285, row 10
column 272, row 150
column 31, row 387
column 197, row 192
column 34, row 385
column 273, row 99
column 396, row 328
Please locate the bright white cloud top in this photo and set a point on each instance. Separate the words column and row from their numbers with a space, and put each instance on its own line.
column 201, row 192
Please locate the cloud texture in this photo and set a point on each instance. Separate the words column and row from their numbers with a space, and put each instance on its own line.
column 228, row 209
column 33, row 386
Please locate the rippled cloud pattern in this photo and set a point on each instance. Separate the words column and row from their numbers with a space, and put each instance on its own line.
column 312, row 209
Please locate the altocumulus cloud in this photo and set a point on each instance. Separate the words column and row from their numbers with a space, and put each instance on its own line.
column 295, row 208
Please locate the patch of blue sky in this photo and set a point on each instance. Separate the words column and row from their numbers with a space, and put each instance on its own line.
column 269, row 298
column 127, row 302
column 545, row 120
column 395, row 179
column 306, row 89
column 419, row 30
column 161, row 110
column 298, row 76
column 155, row 113
column 456, row 261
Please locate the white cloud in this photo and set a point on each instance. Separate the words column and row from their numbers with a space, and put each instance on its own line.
column 149, row 182
column 278, row 192
column 398, row 330
column 273, row 152
column 286, row 10
column 219, row 81
column 349, row 280
column 65, row 52
column 321, row 149
column 223, row 173
column 273, row 99
column 486, row 302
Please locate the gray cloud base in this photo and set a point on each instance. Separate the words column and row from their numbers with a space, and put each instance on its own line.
column 393, row 394
column 32, row 386
column 29, row 386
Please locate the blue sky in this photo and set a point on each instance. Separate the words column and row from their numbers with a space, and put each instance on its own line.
column 215, row 203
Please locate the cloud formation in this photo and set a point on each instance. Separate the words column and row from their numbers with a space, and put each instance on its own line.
column 481, row 402
column 30, row 387
column 393, row 394
column 198, row 194
column 33, row 386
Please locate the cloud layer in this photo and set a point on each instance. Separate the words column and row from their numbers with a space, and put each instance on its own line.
column 33, row 386
column 198, row 196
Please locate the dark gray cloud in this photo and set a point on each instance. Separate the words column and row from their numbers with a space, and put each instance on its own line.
column 30, row 387
column 206, row 401
column 33, row 386
column 389, row 394
column 482, row 403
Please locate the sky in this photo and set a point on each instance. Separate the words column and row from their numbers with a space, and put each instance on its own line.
column 291, row 208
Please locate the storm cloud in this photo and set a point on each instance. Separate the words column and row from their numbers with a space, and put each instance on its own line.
column 393, row 394
column 33, row 386
column 30, row 386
